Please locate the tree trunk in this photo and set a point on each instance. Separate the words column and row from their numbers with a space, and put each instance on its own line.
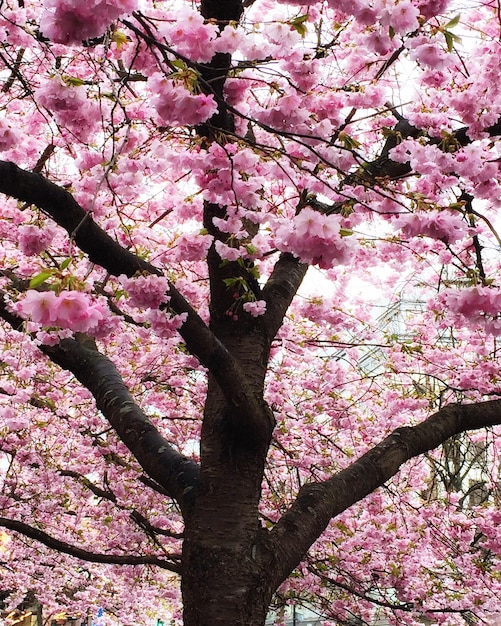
column 223, row 584
column 224, row 570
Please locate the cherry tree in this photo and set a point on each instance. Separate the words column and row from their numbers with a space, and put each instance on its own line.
column 204, row 208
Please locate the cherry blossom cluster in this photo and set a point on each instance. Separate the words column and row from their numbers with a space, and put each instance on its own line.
column 69, row 104
column 71, row 21
column 73, row 310
column 445, row 226
column 475, row 306
column 316, row 238
column 177, row 106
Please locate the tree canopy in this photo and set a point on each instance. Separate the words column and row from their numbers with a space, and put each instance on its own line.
column 250, row 310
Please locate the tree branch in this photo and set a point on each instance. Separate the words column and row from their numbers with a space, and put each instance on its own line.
column 280, row 289
column 101, row 249
column 60, row 205
column 107, row 494
column 176, row 473
column 80, row 553
column 317, row 503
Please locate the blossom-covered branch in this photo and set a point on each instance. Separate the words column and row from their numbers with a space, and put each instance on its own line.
column 103, row 250
column 80, row 553
column 318, row 503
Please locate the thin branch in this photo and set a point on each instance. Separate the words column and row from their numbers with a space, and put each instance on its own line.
column 80, row 553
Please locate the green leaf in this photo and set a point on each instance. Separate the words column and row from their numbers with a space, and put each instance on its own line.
column 73, row 81
column 299, row 24
column 179, row 65
column 345, row 232
column 120, row 38
column 348, row 141
column 39, row 279
column 64, row 265
column 453, row 22
column 232, row 282
column 450, row 38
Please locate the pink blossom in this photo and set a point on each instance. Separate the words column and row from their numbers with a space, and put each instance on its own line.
column 192, row 247
column 255, row 308
column 316, row 238
column 177, row 106
column 69, row 104
column 227, row 253
column 229, row 40
column 442, row 225
column 146, row 291
column 232, row 224
column 8, row 136
column 378, row 42
column 13, row 419
column 191, row 36
column 34, row 239
column 431, row 55
column 430, row 8
column 73, row 310
column 40, row 306
column 164, row 324
column 402, row 17
column 367, row 15
column 71, row 21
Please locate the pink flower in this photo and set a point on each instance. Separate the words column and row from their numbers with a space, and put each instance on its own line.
column 8, row 137
column 256, row 308
column 67, row 21
column 367, row 16
column 191, row 35
column 146, row 291
column 226, row 252
column 403, row 18
column 192, row 247
column 164, row 324
column 430, row 8
column 430, row 55
column 229, row 40
column 73, row 310
column 34, row 239
column 40, row 306
column 442, row 225
column 70, row 105
column 316, row 238
column 380, row 43
column 177, row 106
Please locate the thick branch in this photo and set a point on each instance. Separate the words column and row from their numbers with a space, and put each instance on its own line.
column 384, row 167
column 280, row 289
column 80, row 553
column 170, row 469
column 176, row 473
column 106, row 252
column 60, row 205
column 318, row 503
